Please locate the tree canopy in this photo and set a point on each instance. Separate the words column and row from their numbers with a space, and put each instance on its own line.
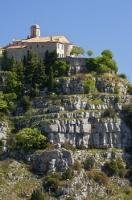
column 30, row 138
column 77, row 51
column 103, row 63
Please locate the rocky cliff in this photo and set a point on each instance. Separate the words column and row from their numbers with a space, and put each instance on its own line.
column 82, row 119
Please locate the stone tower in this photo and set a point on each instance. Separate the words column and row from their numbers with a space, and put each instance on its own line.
column 35, row 31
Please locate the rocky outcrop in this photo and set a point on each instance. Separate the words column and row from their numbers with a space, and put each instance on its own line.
column 51, row 160
column 89, row 132
column 3, row 134
column 109, row 85
column 106, row 83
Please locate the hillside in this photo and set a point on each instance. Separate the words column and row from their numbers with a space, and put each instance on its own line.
column 65, row 129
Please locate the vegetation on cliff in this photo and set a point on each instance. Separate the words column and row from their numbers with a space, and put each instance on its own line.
column 40, row 95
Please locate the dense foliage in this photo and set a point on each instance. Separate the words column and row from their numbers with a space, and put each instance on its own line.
column 28, row 76
column 114, row 168
column 89, row 86
column 103, row 63
column 30, row 138
column 76, row 51
column 89, row 163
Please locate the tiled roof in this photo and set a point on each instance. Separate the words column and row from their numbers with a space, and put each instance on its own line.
column 16, row 46
column 58, row 38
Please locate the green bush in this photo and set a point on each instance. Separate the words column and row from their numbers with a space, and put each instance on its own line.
column 52, row 183
column 61, row 68
column 89, row 86
column 124, row 76
column 114, row 168
column 89, row 163
column 26, row 103
column 102, row 64
column 68, row 174
column 3, row 105
column 38, row 195
column 1, row 144
column 11, row 99
column 129, row 89
column 30, row 138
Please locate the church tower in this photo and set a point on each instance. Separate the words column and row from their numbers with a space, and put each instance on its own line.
column 35, row 31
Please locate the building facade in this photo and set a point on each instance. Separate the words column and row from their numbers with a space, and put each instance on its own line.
column 18, row 48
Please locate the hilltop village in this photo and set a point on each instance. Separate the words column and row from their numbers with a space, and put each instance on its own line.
column 65, row 122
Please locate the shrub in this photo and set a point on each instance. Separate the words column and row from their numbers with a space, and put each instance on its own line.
column 61, row 68
column 38, row 195
column 30, row 138
column 98, row 177
column 26, row 103
column 122, row 76
column 3, row 105
column 89, row 86
column 1, row 144
column 52, row 183
column 89, row 163
column 68, row 174
column 129, row 89
column 114, row 168
column 68, row 146
column 11, row 99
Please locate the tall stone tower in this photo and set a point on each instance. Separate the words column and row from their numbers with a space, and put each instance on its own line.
column 35, row 31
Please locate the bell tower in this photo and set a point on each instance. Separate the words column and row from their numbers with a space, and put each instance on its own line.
column 35, row 31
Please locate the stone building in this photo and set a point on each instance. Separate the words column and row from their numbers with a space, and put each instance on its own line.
column 40, row 45
column 1, row 50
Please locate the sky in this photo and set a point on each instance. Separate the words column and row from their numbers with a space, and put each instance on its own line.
column 91, row 24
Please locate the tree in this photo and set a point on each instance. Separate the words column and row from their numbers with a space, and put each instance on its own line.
column 49, row 61
column 92, row 64
column 31, row 63
column 51, row 79
column 34, row 73
column 102, row 64
column 61, row 68
column 107, row 53
column 14, row 85
column 77, row 51
column 6, row 62
column 89, row 53
column 30, row 138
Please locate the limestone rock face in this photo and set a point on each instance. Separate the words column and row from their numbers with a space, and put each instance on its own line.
column 72, row 86
column 52, row 160
column 3, row 134
column 106, row 84
column 89, row 132
column 111, row 86
column 3, row 131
